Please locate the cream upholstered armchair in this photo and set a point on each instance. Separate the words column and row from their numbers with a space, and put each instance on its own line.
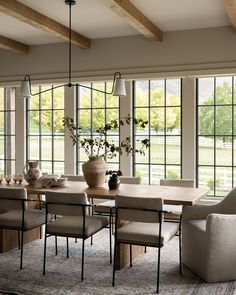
column 209, row 239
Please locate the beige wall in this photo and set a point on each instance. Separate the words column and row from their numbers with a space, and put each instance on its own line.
column 186, row 50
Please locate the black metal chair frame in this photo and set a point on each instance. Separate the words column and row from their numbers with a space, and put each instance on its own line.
column 83, row 237
column 111, row 213
column 22, row 230
column 161, row 218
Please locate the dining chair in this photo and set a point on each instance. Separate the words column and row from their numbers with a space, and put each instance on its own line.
column 105, row 207
column 17, row 215
column 71, row 219
column 108, row 207
column 145, row 226
column 130, row 179
column 73, row 177
column 176, row 210
column 209, row 239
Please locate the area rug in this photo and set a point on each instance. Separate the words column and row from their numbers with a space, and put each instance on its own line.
column 63, row 274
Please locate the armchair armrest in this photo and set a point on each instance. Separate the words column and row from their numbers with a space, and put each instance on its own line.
column 221, row 240
column 220, row 227
column 199, row 211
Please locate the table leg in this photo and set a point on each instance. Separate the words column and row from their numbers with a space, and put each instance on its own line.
column 123, row 252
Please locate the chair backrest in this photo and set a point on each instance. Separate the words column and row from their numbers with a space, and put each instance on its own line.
column 135, row 208
column 130, row 180
column 58, row 203
column 177, row 182
column 123, row 179
column 72, row 177
column 12, row 193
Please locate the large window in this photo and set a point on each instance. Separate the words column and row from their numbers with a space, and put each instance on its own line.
column 45, row 131
column 159, row 102
column 7, row 133
column 95, row 109
column 216, row 160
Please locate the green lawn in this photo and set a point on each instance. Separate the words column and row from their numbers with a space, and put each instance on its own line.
column 157, row 157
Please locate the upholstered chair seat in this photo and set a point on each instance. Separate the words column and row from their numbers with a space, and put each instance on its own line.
column 72, row 226
column 105, row 207
column 147, row 233
column 13, row 219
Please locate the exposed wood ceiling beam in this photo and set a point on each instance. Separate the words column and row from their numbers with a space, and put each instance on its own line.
column 12, row 45
column 230, row 6
column 135, row 18
column 42, row 22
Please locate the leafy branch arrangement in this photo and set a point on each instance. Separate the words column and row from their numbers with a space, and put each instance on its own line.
column 100, row 145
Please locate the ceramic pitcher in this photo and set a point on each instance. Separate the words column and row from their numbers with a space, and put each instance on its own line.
column 32, row 172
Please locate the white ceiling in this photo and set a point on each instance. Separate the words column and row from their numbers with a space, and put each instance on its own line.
column 93, row 19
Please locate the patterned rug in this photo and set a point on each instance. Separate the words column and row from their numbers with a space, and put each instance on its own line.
column 63, row 275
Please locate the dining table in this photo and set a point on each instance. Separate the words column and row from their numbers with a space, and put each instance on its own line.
column 171, row 195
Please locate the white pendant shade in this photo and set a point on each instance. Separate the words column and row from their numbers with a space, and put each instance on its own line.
column 119, row 87
column 25, row 89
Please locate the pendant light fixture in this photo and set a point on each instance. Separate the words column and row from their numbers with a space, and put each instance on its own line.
column 118, row 85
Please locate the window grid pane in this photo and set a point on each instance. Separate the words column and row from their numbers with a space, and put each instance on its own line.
column 215, row 134
column 7, row 133
column 94, row 110
column 45, row 131
column 159, row 102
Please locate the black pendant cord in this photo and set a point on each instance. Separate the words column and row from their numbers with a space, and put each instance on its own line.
column 69, row 84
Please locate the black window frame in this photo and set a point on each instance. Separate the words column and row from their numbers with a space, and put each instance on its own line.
column 41, row 135
column 149, row 107
column 91, row 134
column 214, row 135
column 8, row 135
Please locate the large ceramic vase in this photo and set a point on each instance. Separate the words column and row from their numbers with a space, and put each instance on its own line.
column 32, row 172
column 94, row 171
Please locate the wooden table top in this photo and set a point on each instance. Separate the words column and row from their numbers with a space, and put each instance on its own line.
column 170, row 194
